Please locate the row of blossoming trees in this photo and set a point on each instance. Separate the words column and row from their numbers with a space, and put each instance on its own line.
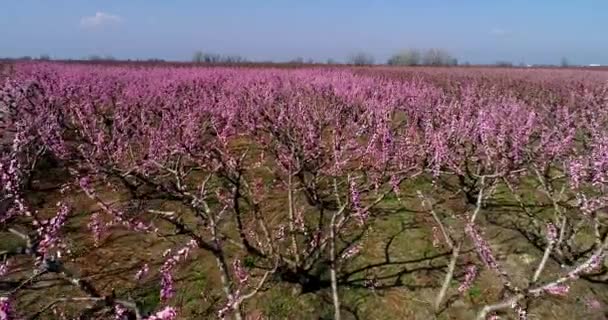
column 290, row 169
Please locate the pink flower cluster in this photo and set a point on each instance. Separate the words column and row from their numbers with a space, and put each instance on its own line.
column 225, row 311
column 167, row 286
column 469, row 278
column 120, row 312
column 593, row 263
column 87, row 185
column 12, row 175
column 551, row 233
column 520, row 311
column 49, row 230
column 131, row 122
column 281, row 233
column 394, row 182
column 97, row 226
column 168, row 313
column 241, row 273
column 593, row 303
column 483, row 248
column 4, row 267
column 352, row 251
column 6, row 310
column 141, row 273
column 558, row 290
column 355, row 198
column 242, row 277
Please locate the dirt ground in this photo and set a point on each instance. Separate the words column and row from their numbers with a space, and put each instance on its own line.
column 396, row 252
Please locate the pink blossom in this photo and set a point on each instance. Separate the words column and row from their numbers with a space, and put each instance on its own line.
column 520, row 311
column 6, row 310
column 558, row 290
column 4, row 268
column 299, row 220
column 168, row 313
column 483, row 248
column 86, row 185
column 281, row 233
column 241, row 274
column 591, row 264
column 97, row 226
column 141, row 124
column 142, row 272
column 315, row 239
column 577, row 172
column 394, row 182
column 355, row 197
column 469, row 277
column 120, row 313
column 225, row 310
column 167, row 286
column 352, row 251
column 551, row 233
column 593, row 303
column 49, row 230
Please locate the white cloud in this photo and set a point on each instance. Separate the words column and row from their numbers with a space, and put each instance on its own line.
column 499, row 32
column 100, row 19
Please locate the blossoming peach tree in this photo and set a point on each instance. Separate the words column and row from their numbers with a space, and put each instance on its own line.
column 275, row 175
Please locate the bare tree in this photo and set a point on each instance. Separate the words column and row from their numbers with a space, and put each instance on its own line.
column 202, row 57
column 360, row 59
column 438, row 57
column 409, row 57
column 198, row 57
column 95, row 57
column 297, row 60
column 155, row 60
column 504, row 64
column 205, row 57
column 233, row 59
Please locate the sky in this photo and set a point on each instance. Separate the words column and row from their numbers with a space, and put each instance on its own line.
column 475, row 31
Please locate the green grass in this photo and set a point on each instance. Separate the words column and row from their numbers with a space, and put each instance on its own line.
column 474, row 292
column 10, row 242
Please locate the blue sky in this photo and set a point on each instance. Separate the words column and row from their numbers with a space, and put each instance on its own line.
column 540, row 31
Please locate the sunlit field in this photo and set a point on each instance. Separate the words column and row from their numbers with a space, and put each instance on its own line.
column 175, row 191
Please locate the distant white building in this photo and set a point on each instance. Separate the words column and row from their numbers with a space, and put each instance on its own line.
column 594, row 65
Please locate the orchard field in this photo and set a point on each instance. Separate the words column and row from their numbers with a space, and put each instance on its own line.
column 169, row 192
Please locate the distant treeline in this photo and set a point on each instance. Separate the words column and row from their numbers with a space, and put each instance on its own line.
column 406, row 57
